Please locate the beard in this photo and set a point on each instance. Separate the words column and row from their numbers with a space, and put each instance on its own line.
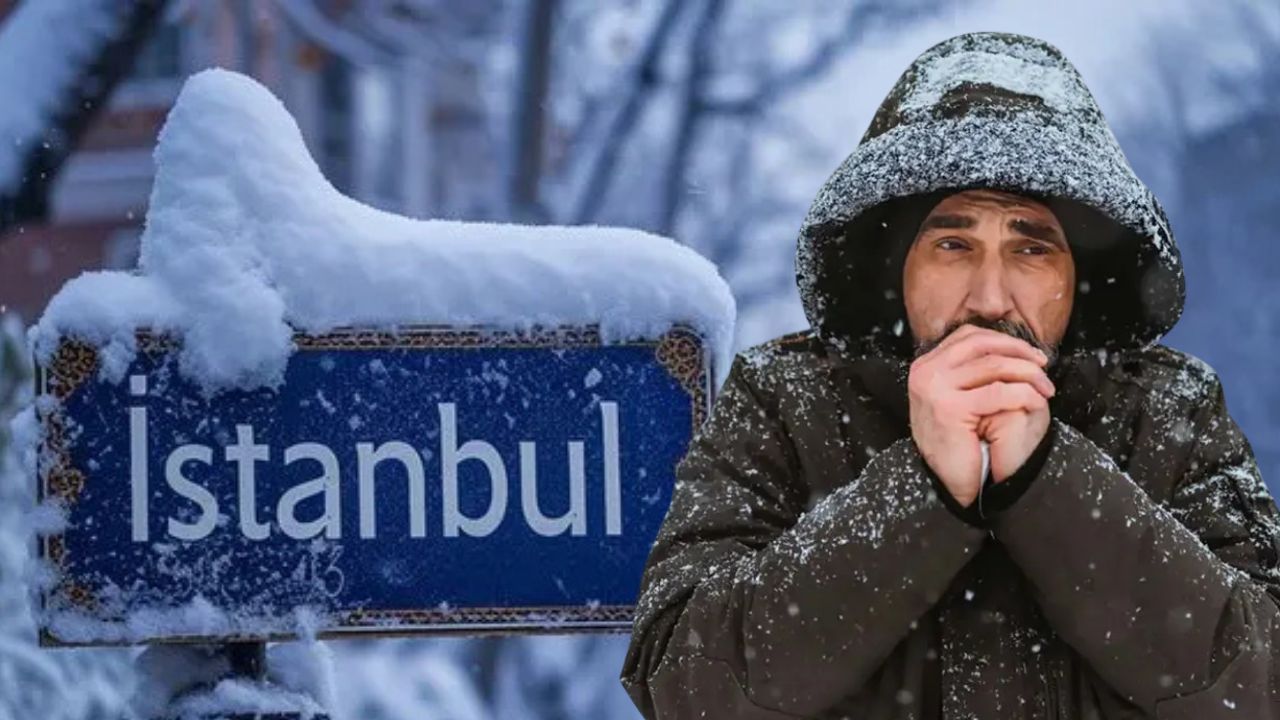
column 1008, row 327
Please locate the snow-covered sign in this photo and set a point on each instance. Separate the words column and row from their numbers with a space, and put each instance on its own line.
column 303, row 415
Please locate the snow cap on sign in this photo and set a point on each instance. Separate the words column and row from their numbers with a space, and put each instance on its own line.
column 246, row 242
column 999, row 111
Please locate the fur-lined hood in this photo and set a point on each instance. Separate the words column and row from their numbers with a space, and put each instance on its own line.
column 998, row 111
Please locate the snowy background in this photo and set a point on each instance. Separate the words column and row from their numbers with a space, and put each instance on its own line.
column 709, row 121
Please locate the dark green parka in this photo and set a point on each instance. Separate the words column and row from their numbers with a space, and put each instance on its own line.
column 808, row 568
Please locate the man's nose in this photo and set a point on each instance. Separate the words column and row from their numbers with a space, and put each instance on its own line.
column 988, row 292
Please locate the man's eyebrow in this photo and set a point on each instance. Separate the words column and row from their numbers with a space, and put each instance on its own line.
column 948, row 222
column 1038, row 231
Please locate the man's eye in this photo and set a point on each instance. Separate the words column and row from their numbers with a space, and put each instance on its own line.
column 951, row 244
column 1034, row 249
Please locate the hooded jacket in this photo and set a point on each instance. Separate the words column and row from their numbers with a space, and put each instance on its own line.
column 808, row 566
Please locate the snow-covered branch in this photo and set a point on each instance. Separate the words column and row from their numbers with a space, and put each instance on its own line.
column 59, row 62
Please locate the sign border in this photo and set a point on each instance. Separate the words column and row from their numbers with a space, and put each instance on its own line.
column 681, row 350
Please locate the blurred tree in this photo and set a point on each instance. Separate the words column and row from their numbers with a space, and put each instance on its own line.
column 668, row 110
column 529, row 116
column 1216, row 136
column 61, row 61
column 434, row 53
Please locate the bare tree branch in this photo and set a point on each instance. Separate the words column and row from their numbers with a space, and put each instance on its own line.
column 642, row 83
column 335, row 38
column 529, row 119
column 862, row 18
column 692, row 110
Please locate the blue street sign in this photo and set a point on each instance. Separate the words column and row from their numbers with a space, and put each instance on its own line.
column 430, row 480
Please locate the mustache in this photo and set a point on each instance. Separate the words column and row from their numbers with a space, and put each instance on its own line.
column 1019, row 330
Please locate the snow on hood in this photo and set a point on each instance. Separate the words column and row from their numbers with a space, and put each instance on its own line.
column 999, row 111
column 246, row 242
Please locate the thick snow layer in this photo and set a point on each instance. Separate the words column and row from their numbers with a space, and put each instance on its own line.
column 305, row 667
column 44, row 47
column 182, row 680
column 246, row 242
column 235, row 696
column 1037, row 76
column 198, row 617
column 165, row 672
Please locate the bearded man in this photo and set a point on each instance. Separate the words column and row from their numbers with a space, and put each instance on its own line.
column 977, row 486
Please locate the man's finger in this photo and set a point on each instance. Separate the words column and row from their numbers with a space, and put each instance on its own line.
column 987, row 342
column 956, row 336
column 1000, row 396
column 991, row 368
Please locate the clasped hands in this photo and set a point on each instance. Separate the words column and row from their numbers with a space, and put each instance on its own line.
column 978, row 384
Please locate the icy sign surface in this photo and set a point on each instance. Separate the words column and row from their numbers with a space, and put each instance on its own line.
column 413, row 481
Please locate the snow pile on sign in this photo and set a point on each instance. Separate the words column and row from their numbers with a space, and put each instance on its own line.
column 247, row 242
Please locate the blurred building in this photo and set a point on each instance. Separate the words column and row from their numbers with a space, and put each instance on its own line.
column 359, row 98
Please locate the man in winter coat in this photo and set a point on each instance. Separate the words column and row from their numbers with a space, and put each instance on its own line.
column 976, row 486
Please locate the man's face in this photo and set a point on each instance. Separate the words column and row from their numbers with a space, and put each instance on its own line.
column 996, row 259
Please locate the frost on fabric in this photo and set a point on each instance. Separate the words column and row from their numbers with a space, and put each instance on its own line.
column 875, row 509
column 1017, row 151
column 1073, row 153
column 752, row 537
column 1022, row 67
column 1063, row 149
column 1197, row 440
column 247, row 242
column 1059, row 90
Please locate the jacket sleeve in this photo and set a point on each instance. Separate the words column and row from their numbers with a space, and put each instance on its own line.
column 759, row 602
column 1175, row 605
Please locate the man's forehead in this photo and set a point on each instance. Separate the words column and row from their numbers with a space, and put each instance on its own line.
column 1033, row 218
column 990, row 197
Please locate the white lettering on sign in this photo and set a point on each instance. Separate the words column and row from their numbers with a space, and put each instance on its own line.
column 612, row 481
column 367, row 459
column 576, row 516
column 327, row 482
column 138, row 459
column 193, row 492
column 245, row 453
column 450, row 456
